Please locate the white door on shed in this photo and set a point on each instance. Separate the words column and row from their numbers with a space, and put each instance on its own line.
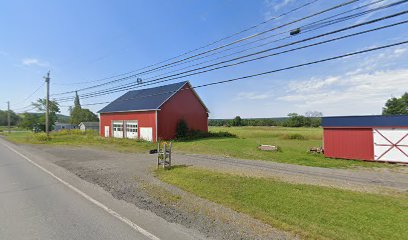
column 106, row 131
column 118, row 129
column 146, row 133
column 131, row 129
column 391, row 144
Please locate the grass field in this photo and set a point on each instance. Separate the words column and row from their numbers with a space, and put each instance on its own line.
column 313, row 212
column 13, row 128
column 293, row 143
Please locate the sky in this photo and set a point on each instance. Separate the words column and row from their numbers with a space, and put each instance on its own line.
column 80, row 42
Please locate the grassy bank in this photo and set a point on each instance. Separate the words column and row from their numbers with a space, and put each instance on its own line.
column 310, row 211
column 293, row 144
column 79, row 138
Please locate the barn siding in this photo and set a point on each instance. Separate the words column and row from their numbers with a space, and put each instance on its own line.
column 349, row 143
column 183, row 105
column 145, row 119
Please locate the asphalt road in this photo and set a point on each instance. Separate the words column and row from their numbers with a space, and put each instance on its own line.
column 34, row 205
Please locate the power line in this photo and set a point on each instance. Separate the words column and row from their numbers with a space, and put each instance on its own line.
column 32, row 94
column 307, row 26
column 274, row 71
column 324, row 24
column 207, row 45
column 104, row 92
column 223, row 46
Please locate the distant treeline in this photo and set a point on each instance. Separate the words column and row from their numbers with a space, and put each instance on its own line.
column 293, row 120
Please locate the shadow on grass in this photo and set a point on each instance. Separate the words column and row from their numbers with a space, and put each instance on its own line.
column 197, row 135
column 177, row 167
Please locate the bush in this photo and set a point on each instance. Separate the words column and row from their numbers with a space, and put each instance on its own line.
column 41, row 137
column 294, row 136
column 182, row 129
column 196, row 134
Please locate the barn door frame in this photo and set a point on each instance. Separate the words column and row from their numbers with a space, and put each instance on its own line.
column 392, row 145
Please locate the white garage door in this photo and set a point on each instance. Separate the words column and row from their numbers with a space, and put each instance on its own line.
column 131, row 129
column 146, row 133
column 117, row 129
column 391, row 144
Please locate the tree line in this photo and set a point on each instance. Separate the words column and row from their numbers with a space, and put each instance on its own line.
column 37, row 120
column 310, row 119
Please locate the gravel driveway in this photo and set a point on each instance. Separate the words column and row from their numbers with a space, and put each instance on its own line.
column 128, row 176
column 371, row 180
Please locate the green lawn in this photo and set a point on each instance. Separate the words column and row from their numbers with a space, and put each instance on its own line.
column 13, row 128
column 293, row 151
column 244, row 145
column 310, row 211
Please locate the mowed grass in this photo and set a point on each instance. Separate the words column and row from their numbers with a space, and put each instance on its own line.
column 293, row 143
column 292, row 149
column 313, row 212
column 78, row 138
column 12, row 128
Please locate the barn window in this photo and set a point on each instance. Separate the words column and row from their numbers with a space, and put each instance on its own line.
column 131, row 127
column 117, row 127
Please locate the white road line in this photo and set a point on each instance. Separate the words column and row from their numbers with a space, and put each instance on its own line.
column 87, row 197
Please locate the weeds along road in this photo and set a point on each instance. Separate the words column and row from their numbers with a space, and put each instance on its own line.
column 36, row 205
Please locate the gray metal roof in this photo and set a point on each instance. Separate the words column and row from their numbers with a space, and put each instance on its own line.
column 366, row 121
column 90, row 124
column 144, row 99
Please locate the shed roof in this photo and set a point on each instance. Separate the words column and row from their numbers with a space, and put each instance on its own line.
column 90, row 124
column 144, row 99
column 366, row 121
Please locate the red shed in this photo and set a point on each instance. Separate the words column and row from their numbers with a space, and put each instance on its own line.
column 153, row 113
column 372, row 138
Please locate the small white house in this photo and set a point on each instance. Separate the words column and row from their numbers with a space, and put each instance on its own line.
column 83, row 126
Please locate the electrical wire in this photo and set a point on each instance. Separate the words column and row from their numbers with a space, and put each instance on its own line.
column 223, row 46
column 273, row 71
column 274, row 54
column 205, row 46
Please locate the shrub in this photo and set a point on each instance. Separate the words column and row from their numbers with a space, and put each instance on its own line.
column 182, row 129
column 196, row 134
column 41, row 137
column 294, row 136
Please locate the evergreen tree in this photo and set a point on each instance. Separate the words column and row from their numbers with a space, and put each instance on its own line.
column 77, row 104
column 79, row 114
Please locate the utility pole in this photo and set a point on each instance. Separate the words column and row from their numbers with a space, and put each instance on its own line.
column 47, row 104
column 8, row 117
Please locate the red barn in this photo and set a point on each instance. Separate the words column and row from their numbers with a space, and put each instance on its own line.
column 153, row 113
column 372, row 138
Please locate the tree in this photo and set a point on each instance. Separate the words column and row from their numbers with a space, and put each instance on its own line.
column 77, row 104
column 14, row 118
column 29, row 120
column 79, row 114
column 41, row 106
column 314, row 118
column 313, row 114
column 295, row 120
column 237, row 121
column 396, row 106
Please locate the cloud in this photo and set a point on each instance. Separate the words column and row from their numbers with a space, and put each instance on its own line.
column 282, row 4
column 364, row 89
column 273, row 6
column 34, row 62
column 374, row 4
column 252, row 96
column 358, row 93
